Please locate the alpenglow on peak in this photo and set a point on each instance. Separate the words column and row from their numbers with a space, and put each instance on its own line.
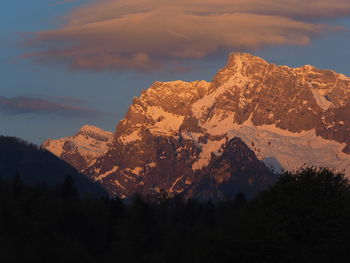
column 200, row 138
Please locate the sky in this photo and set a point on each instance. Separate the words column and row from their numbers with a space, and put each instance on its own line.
column 65, row 64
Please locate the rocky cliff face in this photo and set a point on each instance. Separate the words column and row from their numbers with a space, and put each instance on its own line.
column 208, row 139
column 82, row 149
column 288, row 116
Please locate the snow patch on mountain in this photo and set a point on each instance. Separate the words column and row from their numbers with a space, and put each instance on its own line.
column 151, row 165
column 200, row 107
column 94, row 131
column 193, row 136
column 278, row 147
column 89, row 143
column 322, row 100
column 171, row 189
column 54, row 146
column 165, row 123
column 207, row 149
column 101, row 176
column 293, row 150
column 222, row 121
column 132, row 137
column 117, row 183
column 136, row 170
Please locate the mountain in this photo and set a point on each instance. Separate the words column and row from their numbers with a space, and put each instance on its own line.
column 181, row 136
column 82, row 149
column 38, row 166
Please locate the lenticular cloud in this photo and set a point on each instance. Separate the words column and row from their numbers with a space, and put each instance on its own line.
column 149, row 34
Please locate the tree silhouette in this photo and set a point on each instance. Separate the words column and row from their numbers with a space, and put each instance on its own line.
column 299, row 216
column 17, row 185
column 68, row 189
column 304, row 216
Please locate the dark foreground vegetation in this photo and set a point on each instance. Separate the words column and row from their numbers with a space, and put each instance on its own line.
column 38, row 166
column 303, row 217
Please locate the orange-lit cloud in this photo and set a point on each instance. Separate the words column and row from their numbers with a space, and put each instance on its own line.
column 148, row 34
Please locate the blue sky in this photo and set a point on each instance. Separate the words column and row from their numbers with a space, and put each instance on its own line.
column 77, row 96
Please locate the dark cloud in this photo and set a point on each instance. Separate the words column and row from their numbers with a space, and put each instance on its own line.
column 149, row 34
column 64, row 99
column 23, row 105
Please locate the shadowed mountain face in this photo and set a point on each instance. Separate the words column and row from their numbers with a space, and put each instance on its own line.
column 236, row 170
column 208, row 139
column 37, row 166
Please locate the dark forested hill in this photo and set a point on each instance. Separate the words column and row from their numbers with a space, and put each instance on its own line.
column 303, row 217
column 37, row 166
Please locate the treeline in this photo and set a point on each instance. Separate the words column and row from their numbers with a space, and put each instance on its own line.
column 37, row 165
column 304, row 216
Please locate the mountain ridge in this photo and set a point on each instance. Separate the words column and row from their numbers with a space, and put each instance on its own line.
column 81, row 149
column 37, row 166
column 287, row 117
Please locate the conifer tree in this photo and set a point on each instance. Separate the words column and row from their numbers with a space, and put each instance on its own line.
column 68, row 189
column 17, row 185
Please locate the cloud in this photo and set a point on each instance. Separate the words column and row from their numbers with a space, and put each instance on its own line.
column 23, row 105
column 149, row 34
column 64, row 99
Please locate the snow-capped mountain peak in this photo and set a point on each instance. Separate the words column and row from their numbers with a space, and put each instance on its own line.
column 187, row 136
column 82, row 149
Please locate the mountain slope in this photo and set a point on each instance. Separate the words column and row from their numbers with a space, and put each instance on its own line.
column 37, row 166
column 176, row 132
column 305, row 111
column 152, row 151
column 82, row 149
